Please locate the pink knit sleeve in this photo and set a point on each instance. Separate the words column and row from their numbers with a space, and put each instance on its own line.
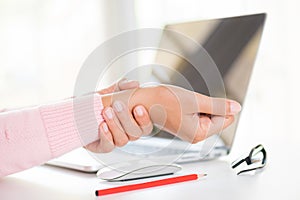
column 32, row 136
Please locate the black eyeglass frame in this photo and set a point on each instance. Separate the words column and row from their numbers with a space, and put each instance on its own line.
column 249, row 159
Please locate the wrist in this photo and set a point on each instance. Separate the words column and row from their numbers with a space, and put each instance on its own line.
column 140, row 96
column 154, row 99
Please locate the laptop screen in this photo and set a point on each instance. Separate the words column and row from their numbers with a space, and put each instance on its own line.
column 232, row 43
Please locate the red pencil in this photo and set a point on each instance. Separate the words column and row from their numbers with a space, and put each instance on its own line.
column 150, row 184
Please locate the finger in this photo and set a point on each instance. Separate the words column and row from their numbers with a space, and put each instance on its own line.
column 142, row 117
column 201, row 133
column 210, row 126
column 127, row 121
column 123, row 84
column 119, row 136
column 106, row 139
column 219, row 123
column 217, row 106
column 126, row 84
column 110, row 89
column 105, row 143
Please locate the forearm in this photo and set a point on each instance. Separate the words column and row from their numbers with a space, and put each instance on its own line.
column 32, row 136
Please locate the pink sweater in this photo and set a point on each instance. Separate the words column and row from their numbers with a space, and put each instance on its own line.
column 32, row 136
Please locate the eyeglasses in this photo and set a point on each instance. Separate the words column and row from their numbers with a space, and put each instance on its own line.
column 256, row 159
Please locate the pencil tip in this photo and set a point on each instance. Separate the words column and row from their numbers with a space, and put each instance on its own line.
column 202, row 175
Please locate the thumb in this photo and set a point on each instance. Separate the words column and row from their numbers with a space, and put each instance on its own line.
column 125, row 84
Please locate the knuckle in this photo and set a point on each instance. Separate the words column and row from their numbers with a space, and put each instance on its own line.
column 105, row 146
column 106, row 150
column 122, row 142
column 136, row 133
column 133, row 138
column 231, row 120
column 98, row 150
column 199, row 137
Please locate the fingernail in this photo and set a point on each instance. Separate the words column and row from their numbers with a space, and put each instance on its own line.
column 118, row 106
column 109, row 113
column 139, row 111
column 105, row 128
column 235, row 107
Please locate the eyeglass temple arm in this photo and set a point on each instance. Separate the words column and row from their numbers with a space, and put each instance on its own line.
column 248, row 170
column 237, row 163
column 247, row 160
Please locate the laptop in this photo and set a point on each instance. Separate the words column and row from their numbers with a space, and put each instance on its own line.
column 232, row 43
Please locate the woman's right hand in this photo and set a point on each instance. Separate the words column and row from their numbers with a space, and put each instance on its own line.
column 111, row 133
column 189, row 115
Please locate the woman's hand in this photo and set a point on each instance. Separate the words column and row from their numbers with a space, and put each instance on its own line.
column 121, row 125
column 189, row 115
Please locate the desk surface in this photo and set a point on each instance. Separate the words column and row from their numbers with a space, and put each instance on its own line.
column 279, row 180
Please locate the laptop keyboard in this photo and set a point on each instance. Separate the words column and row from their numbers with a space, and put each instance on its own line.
column 147, row 149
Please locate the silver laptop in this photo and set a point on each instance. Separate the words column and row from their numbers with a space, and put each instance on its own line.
column 232, row 43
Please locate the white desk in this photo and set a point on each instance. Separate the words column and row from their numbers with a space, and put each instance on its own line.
column 279, row 180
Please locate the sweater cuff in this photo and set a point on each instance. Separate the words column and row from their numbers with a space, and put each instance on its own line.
column 72, row 123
